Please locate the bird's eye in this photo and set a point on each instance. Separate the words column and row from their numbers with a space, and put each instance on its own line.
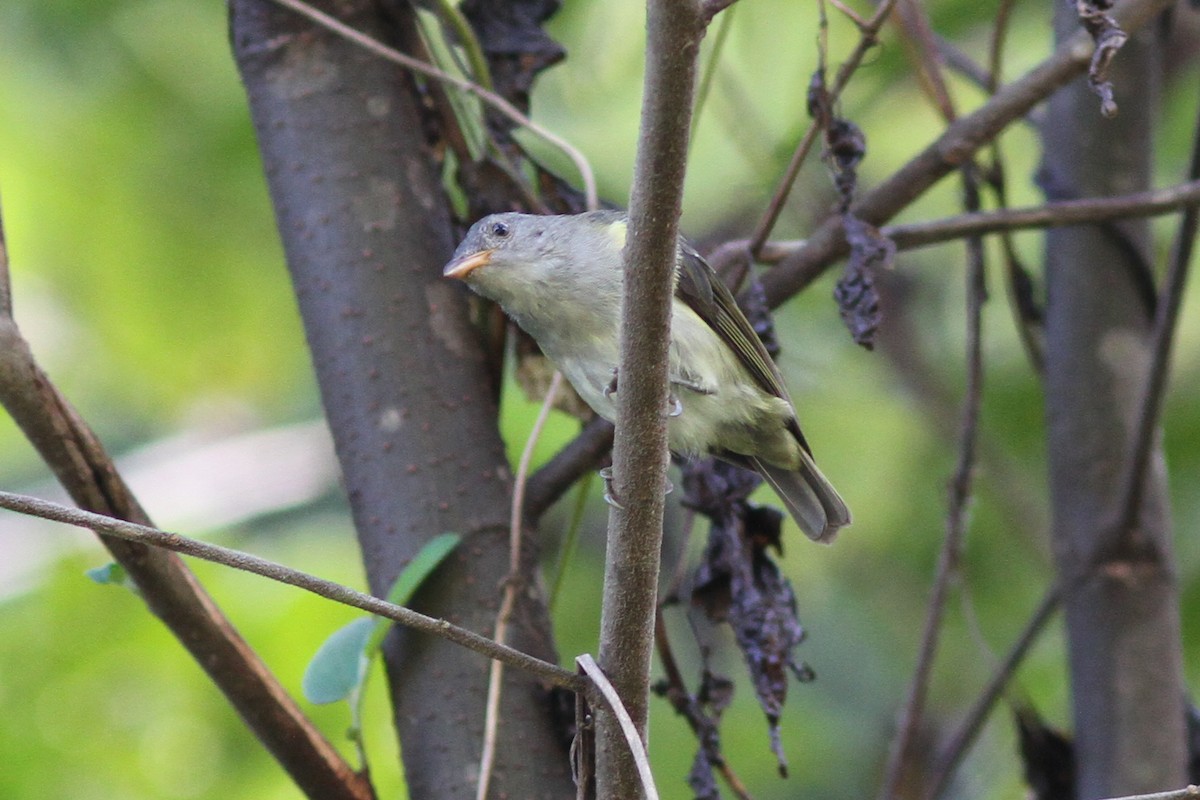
column 500, row 230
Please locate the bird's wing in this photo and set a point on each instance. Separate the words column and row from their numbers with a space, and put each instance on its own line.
column 706, row 294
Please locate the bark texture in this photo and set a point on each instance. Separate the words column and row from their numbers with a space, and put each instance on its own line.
column 1122, row 606
column 366, row 228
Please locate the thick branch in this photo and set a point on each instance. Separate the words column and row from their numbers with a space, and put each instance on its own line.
column 1121, row 610
column 366, row 226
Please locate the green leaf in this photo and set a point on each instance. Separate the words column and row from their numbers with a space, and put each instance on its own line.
column 340, row 664
column 113, row 574
column 423, row 563
column 411, row 577
column 340, row 667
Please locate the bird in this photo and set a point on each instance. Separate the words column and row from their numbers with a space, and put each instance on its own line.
column 560, row 278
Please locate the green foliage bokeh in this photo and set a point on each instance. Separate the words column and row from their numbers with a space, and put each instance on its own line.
column 149, row 279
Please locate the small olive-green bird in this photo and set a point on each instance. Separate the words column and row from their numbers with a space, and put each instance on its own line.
column 560, row 278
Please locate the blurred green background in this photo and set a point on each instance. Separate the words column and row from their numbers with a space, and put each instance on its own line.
column 149, row 279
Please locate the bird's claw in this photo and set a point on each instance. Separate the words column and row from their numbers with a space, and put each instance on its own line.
column 610, row 497
column 676, row 406
column 611, row 389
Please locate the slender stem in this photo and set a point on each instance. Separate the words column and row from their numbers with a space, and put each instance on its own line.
column 674, row 29
column 1166, row 318
column 913, row 235
column 634, row 738
column 956, row 518
column 129, row 531
column 867, row 40
column 968, row 731
column 512, row 587
column 428, row 70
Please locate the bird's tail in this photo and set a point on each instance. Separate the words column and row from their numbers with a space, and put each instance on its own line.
column 811, row 500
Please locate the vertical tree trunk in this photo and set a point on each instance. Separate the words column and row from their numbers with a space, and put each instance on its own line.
column 366, row 227
column 1122, row 606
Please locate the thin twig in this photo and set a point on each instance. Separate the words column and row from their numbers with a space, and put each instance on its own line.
column 867, row 40
column 914, row 22
column 512, row 588
column 686, row 705
column 972, row 723
column 947, row 152
column 1175, row 794
column 956, row 518
column 914, row 235
column 633, row 739
column 1166, row 318
column 131, row 532
column 428, row 70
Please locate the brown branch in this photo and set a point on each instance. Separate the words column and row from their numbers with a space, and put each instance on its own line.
column 967, row 732
column 1057, row 214
column 632, row 559
column 914, row 235
column 73, row 452
column 246, row 562
column 867, row 40
column 949, row 151
column 956, row 519
column 1185, row 793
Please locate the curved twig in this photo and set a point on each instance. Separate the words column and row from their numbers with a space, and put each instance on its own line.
column 428, row 70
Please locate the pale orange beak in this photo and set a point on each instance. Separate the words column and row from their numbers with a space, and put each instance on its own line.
column 460, row 268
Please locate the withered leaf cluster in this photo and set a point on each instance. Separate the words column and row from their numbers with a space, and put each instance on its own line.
column 738, row 583
column 870, row 251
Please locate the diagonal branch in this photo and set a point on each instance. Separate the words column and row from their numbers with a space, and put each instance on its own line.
column 163, row 540
column 948, row 152
column 1166, row 319
column 73, row 452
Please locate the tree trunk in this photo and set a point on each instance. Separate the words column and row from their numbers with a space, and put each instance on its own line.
column 1122, row 605
column 366, row 228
